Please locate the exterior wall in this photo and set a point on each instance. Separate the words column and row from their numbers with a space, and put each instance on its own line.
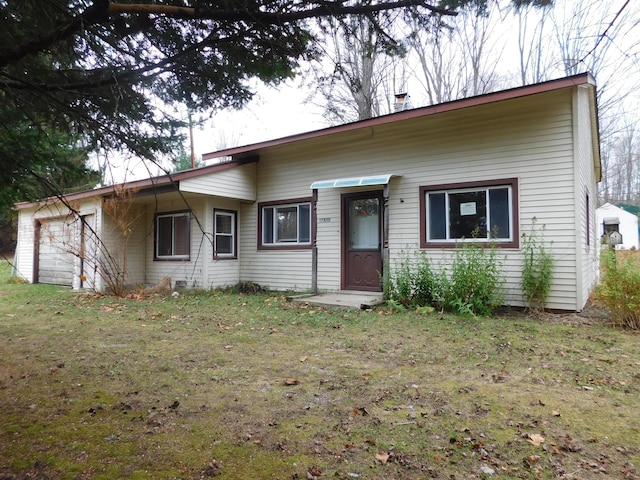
column 201, row 270
column 26, row 251
column 188, row 271
column 236, row 183
column 585, row 199
column 125, row 252
column 221, row 272
column 529, row 138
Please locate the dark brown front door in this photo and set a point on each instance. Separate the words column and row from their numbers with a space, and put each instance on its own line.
column 362, row 241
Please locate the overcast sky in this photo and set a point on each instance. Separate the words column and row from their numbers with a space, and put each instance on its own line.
column 276, row 113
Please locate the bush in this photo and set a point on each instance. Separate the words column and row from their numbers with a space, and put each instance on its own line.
column 412, row 283
column 619, row 289
column 537, row 271
column 473, row 286
column 475, row 283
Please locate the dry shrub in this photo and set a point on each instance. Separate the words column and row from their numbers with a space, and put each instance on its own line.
column 619, row 288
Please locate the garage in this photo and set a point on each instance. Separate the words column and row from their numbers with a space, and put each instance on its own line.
column 55, row 258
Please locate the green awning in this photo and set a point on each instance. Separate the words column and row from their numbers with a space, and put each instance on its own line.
column 354, row 181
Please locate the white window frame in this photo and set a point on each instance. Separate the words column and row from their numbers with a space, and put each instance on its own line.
column 275, row 241
column 173, row 255
column 224, row 213
column 479, row 188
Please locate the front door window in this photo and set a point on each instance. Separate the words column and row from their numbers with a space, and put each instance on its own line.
column 364, row 223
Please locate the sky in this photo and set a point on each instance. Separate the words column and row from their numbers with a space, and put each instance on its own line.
column 283, row 111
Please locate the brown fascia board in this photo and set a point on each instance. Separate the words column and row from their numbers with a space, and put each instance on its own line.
column 146, row 186
column 513, row 93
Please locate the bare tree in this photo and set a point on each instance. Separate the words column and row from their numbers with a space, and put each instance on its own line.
column 458, row 57
column 533, row 59
column 359, row 61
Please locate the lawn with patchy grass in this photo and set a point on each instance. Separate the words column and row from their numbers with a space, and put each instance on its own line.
column 232, row 386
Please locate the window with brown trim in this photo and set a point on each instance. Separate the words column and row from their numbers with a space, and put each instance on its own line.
column 469, row 212
column 224, row 234
column 173, row 236
column 285, row 224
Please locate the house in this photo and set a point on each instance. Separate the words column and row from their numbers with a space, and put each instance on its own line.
column 611, row 218
column 327, row 210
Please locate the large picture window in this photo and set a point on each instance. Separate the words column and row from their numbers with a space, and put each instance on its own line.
column 224, row 223
column 285, row 225
column 173, row 236
column 468, row 212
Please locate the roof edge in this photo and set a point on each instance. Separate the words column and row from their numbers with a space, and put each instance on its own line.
column 509, row 94
column 148, row 184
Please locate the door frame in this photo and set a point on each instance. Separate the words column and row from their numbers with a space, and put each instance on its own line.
column 381, row 195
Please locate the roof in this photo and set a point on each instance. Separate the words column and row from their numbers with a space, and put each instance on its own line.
column 251, row 152
column 583, row 79
column 150, row 185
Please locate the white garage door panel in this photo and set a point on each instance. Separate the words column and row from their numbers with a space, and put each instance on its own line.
column 55, row 260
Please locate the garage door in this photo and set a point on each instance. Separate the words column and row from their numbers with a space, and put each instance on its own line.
column 55, row 257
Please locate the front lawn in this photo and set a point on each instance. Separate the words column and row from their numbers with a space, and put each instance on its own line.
column 213, row 384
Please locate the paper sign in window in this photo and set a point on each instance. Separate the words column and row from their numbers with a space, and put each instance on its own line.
column 468, row 208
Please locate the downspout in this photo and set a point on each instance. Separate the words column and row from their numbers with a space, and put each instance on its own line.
column 314, row 243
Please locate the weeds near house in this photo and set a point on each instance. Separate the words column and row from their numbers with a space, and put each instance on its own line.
column 619, row 288
column 537, row 270
column 412, row 283
column 474, row 285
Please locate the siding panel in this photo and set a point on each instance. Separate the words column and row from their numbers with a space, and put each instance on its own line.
column 532, row 141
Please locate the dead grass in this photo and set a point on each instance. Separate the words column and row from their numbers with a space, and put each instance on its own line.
column 240, row 386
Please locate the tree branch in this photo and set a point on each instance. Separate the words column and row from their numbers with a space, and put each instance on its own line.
column 100, row 11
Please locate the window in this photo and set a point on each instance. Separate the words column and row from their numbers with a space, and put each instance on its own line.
column 469, row 212
column 285, row 225
column 172, row 236
column 224, row 236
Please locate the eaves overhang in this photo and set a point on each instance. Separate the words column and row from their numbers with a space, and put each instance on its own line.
column 148, row 186
column 489, row 98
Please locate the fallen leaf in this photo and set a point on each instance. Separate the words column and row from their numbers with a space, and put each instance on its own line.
column 382, row 457
column 487, row 470
column 536, row 439
column 360, row 411
column 314, row 473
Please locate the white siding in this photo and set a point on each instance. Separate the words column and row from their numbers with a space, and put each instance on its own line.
column 585, row 189
column 188, row 271
column 238, row 183
column 64, row 244
column 221, row 272
column 124, row 253
column 530, row 139
column 201, row 270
